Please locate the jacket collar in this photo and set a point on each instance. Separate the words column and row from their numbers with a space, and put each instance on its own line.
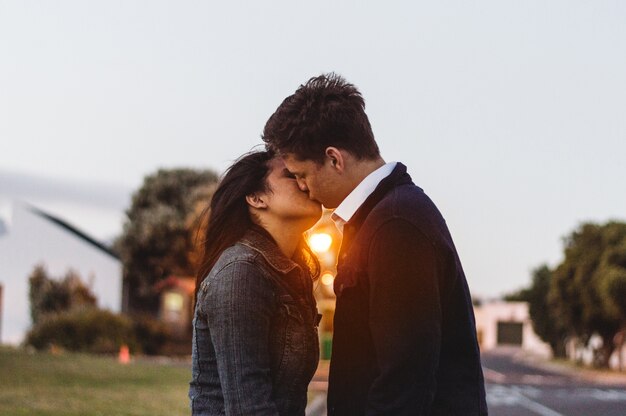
column 398, row 176
column 262, row 242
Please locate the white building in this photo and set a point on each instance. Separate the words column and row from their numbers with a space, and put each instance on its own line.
column 29, row 237
column 501, row 323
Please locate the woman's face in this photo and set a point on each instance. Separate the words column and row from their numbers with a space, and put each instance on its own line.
column 284, row 199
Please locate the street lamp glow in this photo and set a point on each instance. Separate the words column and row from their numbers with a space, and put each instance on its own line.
column 328, row 279
column 320, row 242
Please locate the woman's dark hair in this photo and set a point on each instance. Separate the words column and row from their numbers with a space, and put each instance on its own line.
column 326, row 111
column 227, row 218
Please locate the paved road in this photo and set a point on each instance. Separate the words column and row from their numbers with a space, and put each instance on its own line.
column 516, row 387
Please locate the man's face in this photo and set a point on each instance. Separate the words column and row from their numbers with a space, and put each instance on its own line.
column 320, row 181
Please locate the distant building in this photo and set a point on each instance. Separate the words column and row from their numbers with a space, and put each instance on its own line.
column 501, row 323
column 31, row 237
column 176, row 305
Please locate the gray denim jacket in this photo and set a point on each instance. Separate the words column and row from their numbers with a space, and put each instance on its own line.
column 255, row 346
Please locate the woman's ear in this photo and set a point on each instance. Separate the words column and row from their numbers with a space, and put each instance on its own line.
column 256, row 201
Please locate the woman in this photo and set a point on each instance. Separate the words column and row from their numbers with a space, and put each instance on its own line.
column 255, row 345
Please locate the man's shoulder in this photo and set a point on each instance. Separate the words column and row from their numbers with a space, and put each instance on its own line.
column 407, row 201
column 409, row 205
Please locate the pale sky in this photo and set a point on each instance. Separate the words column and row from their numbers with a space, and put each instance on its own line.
column 510, row 114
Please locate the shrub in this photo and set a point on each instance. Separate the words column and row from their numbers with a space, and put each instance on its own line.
column 97, row 331
column 87, row 330
column 150, row 334
column 54, row 295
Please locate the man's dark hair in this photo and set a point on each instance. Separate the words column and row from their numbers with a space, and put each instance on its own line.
column 326, row 111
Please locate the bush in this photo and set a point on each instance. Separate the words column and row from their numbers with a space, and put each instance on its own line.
column 54, row 295
column 88, row 330
column 97, row 331
column 150, row 334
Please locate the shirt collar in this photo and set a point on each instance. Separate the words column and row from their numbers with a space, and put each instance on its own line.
column 344, row 212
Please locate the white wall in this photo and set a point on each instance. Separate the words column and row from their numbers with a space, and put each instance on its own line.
column 32, row 239
column 488, row 315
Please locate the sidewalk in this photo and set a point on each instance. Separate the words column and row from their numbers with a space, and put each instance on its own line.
column 317, row 390
column 320, row 379
column 571, row 369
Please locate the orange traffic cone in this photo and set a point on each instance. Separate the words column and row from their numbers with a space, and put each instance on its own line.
column 124, row 355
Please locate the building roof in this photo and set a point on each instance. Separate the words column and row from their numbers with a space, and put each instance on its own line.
column 73, row 230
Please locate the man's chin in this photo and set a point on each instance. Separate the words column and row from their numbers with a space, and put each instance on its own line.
column 317, row 202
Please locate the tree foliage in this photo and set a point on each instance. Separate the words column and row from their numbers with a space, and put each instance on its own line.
column 547, row 325
column 585, row 295
column 49, row 296
column 588, row 291
column 158, row 239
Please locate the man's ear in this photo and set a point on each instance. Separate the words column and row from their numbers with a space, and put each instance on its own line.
column 256, row 201
column 336, row 157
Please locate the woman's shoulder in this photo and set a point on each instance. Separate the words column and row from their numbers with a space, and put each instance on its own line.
column 238, row 270
column 236, row 262
column 237, row 253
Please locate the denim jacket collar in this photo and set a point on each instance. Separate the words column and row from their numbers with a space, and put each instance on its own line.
column 262, row 242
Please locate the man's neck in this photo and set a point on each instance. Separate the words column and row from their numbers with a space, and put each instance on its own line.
column 370, row 178
column 363, row 168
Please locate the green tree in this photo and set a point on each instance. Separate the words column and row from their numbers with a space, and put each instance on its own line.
column 158, row 239
column 547, row 325
column 588, row 290
column 49, row 296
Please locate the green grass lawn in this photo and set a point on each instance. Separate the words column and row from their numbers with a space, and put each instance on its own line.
column 78, row 384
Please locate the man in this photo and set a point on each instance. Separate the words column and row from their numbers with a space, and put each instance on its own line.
column 405, row 338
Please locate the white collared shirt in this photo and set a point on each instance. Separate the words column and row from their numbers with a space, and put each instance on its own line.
column 344, row 212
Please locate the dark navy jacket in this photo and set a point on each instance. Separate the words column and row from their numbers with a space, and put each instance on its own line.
column 404, row 331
